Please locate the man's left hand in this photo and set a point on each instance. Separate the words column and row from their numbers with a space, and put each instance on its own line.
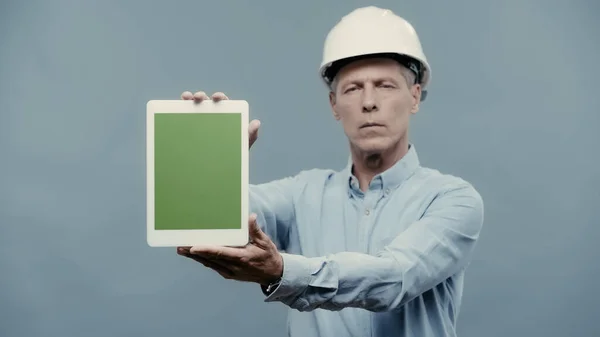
column 259, row 261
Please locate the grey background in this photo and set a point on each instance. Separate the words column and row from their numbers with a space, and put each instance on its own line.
column 513, row 108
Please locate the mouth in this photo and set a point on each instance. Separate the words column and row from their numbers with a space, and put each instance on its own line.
column 370, row 125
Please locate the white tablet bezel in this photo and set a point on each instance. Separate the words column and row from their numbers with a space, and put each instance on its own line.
column 177, row 238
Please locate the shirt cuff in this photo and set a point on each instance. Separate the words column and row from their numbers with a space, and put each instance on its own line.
column 297, row 273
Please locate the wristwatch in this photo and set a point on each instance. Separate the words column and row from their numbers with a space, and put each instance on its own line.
column 272, row 286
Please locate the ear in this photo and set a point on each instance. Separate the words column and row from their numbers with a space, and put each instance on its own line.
column 332, row 103
column 415, row 91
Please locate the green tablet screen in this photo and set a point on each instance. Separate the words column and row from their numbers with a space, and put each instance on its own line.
column 198, row 171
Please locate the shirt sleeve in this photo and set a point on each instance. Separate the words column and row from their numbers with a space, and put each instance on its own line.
column 425, row 254
column 274, row 206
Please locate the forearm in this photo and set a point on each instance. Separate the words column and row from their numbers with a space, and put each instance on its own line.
column 271, row 222
column 424, row 255
column 274, row 206
column 339, row 281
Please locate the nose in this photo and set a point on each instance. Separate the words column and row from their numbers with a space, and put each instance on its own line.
column 368, row 99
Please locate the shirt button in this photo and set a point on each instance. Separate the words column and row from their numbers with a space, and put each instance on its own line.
column 367, row 212
column 387, row 191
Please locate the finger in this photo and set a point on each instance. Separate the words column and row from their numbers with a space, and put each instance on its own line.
column 254, row 126
column 206, row 261
column 183, row 250
column 218, row 252
column 253, row 131
column 219, row 96
column 254, row 230
column 200, row 96
column 219, row 268
column 259, row 238
column 187, row 95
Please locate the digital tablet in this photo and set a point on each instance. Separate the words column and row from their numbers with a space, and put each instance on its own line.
column 197, row 173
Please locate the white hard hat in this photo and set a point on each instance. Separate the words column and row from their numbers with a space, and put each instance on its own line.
column 372, row 31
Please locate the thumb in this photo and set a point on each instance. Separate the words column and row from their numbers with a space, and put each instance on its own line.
column 254, row 230
column 253, row 131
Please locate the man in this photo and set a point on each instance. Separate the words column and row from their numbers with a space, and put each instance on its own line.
column 381, row 247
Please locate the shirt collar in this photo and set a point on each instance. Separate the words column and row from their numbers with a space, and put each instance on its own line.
column 389, row 179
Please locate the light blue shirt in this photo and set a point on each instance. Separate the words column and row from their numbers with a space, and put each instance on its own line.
column 388, row 262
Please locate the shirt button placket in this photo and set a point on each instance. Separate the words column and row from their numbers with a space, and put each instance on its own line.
column 367, row 223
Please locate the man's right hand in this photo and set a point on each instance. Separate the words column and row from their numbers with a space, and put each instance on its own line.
column 219, row 96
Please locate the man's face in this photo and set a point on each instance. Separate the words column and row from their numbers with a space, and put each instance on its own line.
column 374, row 102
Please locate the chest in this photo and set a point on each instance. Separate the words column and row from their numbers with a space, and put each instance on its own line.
column 333, row 221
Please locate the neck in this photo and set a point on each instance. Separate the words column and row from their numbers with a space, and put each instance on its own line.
column 368, row 165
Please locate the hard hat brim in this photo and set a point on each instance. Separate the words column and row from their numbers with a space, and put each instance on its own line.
column 328, row 72
column 420, row 68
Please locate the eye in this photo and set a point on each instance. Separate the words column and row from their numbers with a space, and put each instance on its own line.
column 350, row 89
column 387, row 85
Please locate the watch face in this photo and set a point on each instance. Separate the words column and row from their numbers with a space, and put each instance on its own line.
column 273, row 285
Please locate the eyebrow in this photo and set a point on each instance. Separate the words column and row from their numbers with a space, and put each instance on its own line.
column 359, row 82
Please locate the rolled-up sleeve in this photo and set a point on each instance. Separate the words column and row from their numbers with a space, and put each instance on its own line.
column 428, row 252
